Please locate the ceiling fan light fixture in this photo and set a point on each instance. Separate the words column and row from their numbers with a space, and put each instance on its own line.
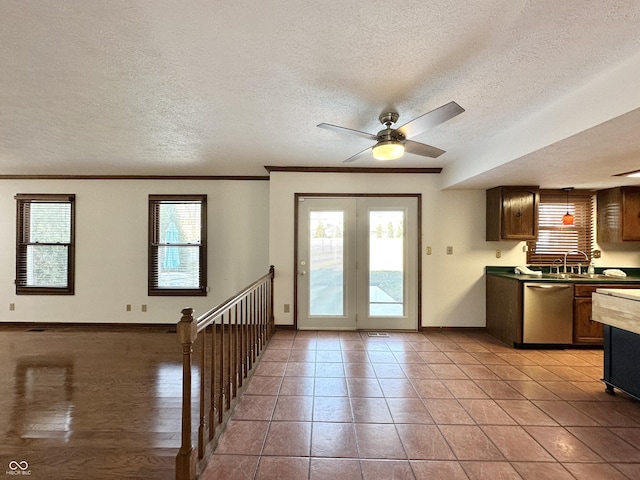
column 388, row 150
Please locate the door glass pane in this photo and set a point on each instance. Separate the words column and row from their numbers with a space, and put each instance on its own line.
column 386, row 263
column 326, row 266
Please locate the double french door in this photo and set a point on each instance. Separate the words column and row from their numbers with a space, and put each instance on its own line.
column 357, row 263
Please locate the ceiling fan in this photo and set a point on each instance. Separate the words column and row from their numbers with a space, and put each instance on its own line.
column 393, row 142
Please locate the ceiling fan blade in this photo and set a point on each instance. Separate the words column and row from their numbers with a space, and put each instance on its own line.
column 422, row 149
column 336, row 128
column 430, row 119
column 361, row 154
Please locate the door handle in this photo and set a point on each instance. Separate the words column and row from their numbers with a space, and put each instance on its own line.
column 548, row 287
column 303, row 272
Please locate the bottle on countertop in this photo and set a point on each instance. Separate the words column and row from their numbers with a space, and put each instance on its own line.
column 592, row 269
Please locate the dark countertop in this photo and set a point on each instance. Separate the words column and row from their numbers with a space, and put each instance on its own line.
column 633, row 276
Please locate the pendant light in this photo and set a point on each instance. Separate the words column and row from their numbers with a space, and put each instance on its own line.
column 567, row 219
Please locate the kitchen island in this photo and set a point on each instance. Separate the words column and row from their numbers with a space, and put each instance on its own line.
column 619, row 311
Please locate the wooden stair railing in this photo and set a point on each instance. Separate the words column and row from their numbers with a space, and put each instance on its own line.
column 238, row 330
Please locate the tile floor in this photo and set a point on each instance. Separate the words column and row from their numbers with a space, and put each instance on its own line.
column 435, row 405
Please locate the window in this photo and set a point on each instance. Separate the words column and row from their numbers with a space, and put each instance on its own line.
column 177, row 244
column 554, row 238
column 45, row 244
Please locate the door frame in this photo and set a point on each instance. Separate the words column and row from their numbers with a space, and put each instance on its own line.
column 297, row 196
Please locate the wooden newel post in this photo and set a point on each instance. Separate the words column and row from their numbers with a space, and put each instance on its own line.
column 272, row 274
column 186, row 458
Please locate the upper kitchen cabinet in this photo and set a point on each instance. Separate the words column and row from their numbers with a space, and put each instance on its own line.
column 619, row 214
column 512, row 213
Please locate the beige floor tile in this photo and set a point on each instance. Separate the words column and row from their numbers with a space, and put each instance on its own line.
column 288, row 439
column 607, row 444
column 469, row 442
column 486, row 470
column 424, row 442
column 564, row 446
column 438, row 404
column 377, row 470
column 333, row 440
column 282, row 468
column 486, row 412
column 435, row 469
column 516, row 444
column 379, row 441
column 335, row 469
column 542, row 471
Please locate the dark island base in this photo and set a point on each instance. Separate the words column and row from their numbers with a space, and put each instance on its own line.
column 621, row 360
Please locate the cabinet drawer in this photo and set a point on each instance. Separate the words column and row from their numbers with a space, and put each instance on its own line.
column 585, row 290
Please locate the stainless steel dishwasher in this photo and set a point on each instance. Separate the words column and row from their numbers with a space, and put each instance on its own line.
column 548, row 313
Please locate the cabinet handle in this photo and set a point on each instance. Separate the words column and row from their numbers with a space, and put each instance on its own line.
column 549, row 287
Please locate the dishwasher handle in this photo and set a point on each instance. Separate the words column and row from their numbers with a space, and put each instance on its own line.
column 544, row 286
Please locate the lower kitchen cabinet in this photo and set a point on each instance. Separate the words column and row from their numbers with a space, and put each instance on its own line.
column 585, row 330
column 505, row 310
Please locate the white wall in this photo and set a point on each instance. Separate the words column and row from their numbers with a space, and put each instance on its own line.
column 620, row 254
column 111, row 248
column 250, row 227
column 453, row 288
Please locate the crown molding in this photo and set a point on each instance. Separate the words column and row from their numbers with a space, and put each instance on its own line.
column 134, row 177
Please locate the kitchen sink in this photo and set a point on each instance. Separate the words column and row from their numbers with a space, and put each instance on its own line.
column 586, row 276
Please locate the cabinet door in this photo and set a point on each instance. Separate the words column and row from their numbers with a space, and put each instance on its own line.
column 519, row 214
column 585, row 330
column 630, row 213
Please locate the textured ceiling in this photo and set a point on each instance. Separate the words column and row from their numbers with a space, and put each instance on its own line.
column 225, row 87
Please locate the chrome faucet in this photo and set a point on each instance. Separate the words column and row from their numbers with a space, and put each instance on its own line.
column 573, row 251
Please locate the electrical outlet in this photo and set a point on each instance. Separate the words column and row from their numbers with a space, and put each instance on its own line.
column 449, row 250
column 498, row 253
column 428, row 250
column 144, row 308
column 12, row 306
column 128, row 307
column 287, row 308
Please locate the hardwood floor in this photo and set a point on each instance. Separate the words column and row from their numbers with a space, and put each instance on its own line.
column 89, row 404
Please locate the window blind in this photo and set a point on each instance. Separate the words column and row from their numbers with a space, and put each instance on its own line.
column 177, row 245
column 45, row 244
column 554, row 238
